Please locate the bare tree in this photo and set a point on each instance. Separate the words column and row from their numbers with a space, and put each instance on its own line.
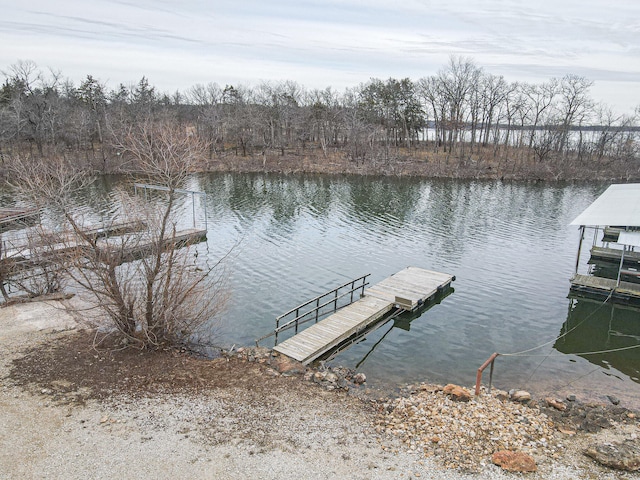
column 148, row 287
column 575, row 105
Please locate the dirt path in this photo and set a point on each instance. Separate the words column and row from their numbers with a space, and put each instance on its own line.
column 70, row 411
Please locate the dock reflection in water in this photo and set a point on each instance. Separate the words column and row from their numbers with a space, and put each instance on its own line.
column 401, row 321
column 592, row 326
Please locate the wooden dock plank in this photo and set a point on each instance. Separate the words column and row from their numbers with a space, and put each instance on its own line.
column 388, row 291
column 613, row 255
column 23, row 257
column 589, row 285
column 412, row 283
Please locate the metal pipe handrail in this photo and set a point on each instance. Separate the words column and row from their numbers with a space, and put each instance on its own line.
column 287, row 325
column 490, row 361
column 325, row 294
column 193, row 193
column 298, row 320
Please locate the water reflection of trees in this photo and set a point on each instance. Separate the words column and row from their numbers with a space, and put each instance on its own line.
column 286, row 197
column 600, row 327
column 444, row 218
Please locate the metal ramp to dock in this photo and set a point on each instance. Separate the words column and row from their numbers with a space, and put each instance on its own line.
column 408, row 289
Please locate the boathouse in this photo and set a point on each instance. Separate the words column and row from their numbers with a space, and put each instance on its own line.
column 614, row 261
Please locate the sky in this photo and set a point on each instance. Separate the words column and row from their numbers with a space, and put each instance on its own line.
column 339, row 43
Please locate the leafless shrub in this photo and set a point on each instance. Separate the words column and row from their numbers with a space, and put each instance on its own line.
column 146, row 282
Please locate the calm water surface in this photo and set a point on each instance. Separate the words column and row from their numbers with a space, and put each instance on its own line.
column 508, row 244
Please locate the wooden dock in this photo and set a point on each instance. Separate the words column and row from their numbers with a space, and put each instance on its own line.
column 613, row 255
column 114, row 248
column 16, row 217
column 611, row 234
column 408, row 289
column 119, row 251
column 598, row 287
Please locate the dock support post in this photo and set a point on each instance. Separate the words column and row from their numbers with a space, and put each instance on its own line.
column 193, row 208
column 579, row 247
column 205, row 211
column 624, row 247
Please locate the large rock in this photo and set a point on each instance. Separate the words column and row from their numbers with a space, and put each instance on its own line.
column 456, row 392
column 514, row 461
column 319, row 377
column 288, row 366
column 359, row 378
column 557, row 404
column 520, row 396
column 623, row 456
column 331, row 377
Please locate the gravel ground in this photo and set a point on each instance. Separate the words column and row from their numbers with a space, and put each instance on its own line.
column 289, row 430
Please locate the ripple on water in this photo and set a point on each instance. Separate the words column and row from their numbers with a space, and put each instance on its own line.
column 509, row 245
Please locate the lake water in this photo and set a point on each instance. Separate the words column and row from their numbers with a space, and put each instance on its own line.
column 508, row 244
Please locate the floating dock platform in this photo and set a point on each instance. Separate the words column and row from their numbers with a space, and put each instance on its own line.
column 17, row 217
column 408, row 290
column 613, row 255
column 598, row 287
column 114, row 248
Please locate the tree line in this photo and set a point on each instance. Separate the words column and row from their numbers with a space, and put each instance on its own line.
column 462, row 113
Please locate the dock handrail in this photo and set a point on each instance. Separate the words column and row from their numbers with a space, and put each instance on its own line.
column 490, row 361
column 335, row 296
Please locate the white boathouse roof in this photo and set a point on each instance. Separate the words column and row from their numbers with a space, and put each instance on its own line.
column 619, row 205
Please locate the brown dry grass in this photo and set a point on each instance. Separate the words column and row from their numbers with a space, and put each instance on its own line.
column 483, row 163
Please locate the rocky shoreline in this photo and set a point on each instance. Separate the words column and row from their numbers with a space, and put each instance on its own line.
column 465, row 432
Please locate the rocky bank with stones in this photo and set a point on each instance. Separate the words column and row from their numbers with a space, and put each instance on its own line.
column 464, row 432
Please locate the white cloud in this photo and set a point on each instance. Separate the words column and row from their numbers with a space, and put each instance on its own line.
column 335, row 42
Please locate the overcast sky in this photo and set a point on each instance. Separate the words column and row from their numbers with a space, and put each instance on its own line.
column 338, row 43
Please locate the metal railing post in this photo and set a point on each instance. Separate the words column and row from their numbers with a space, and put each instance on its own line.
column 579, row 247
column 308, row 314
column 193, row 208
column 621, row 266
column 206, row 226
column 490, row 360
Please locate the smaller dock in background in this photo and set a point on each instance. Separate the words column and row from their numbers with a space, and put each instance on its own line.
column 613, row 255
column 406, row 290
column 111, row 240
column 12, row 216
column 613, row 271
column 115, row 249
column 590, row 286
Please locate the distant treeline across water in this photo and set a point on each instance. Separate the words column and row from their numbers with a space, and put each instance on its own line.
column 461, row 121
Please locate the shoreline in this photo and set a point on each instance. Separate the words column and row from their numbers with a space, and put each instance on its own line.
column 224, row 416
column 414, row 167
